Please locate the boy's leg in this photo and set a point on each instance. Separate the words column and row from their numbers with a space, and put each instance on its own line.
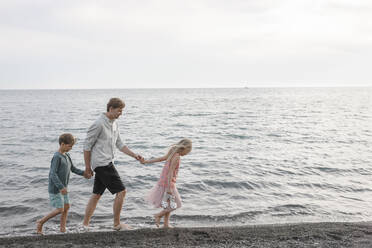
column 91, row 206
column 41, row 222
column 64, row 217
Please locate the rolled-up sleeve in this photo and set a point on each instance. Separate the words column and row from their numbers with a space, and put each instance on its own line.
column 119, row 142
column 92, row 135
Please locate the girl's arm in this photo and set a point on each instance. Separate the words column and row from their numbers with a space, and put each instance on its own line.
column 154, row 160
column 174, row 161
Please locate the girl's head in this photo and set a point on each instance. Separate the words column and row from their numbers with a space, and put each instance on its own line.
column 183, row 147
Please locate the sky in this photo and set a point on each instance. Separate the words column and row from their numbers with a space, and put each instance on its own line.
column 180, row 44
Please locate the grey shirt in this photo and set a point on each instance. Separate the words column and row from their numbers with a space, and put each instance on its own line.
column 102, row 139
column 59, row 173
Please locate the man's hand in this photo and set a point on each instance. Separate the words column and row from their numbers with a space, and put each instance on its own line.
column 88, row 172
column 138, row 157
column 87, row 175
column 63, row 191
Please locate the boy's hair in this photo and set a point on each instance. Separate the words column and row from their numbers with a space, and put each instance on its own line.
column 67, row 139
column 115, row 103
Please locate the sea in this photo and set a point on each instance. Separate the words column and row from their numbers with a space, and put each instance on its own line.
column 260, row 155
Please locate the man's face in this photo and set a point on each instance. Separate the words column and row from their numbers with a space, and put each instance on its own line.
column 116, row 112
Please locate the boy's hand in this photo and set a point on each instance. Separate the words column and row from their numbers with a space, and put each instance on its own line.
column 63, row 191
column 143, row 161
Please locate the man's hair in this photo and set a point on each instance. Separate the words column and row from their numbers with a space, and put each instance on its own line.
column 67, row 139
column 115, row 103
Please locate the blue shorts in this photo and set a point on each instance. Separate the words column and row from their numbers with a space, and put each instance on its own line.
column 58, row 200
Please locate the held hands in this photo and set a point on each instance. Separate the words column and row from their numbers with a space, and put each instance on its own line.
column 139, row 158
column 63, row 191
column 88, row 174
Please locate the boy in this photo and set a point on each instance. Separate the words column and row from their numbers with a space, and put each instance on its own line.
column 59, row 175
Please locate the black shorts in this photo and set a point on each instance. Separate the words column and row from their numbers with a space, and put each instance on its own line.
column 107, row 177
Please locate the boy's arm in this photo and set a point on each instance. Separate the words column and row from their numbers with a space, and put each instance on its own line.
column 56, row 161
column 74, row 169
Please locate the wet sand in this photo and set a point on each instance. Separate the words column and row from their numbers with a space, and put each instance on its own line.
column 289, row 235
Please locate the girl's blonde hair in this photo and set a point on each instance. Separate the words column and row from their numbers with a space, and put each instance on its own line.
column 179, row 147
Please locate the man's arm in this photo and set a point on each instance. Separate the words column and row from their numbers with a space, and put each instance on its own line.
column 88, row 168
column 127, row 151
column 92, row 135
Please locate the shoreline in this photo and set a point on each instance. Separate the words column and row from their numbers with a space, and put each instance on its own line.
column 337, row 234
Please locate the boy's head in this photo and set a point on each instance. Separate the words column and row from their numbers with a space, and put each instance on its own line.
column 66, row 141
column 115, row 107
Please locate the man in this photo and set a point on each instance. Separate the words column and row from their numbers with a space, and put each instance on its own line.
column 99, row 152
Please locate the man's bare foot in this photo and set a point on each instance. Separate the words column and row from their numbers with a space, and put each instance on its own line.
column 122, row 227
column 39, row 227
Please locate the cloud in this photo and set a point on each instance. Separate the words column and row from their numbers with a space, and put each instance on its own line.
column 171, row 43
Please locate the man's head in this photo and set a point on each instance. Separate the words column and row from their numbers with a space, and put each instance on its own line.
column 114, row 108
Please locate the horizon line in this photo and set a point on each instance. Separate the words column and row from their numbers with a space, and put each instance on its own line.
column 242, row 87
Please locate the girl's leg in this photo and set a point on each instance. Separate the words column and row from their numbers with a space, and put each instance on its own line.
column 158, row 217
column 166, row 219
column 40, row 223
column 64, row 217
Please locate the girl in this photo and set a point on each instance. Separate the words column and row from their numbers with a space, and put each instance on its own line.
column 167, row 181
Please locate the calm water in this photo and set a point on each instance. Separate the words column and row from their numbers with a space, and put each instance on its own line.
column 259, row 155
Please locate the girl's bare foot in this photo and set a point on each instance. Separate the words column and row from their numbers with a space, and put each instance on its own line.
column 63, row 229
column 157, row 220
column 168, row 226
column 39, row 227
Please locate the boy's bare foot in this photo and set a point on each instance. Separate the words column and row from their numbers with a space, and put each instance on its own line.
column 39, row 227
column 157, row 220
column 122, row 227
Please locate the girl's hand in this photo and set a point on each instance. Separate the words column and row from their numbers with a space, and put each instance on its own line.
column 63, row 191
column 143, row 161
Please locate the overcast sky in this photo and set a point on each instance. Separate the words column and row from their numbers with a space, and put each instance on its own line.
column 195, row 43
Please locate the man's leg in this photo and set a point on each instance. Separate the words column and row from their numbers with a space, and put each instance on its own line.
column 118, row 205
column 89, row 210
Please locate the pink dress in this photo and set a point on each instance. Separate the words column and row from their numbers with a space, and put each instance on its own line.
column 155, row 195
